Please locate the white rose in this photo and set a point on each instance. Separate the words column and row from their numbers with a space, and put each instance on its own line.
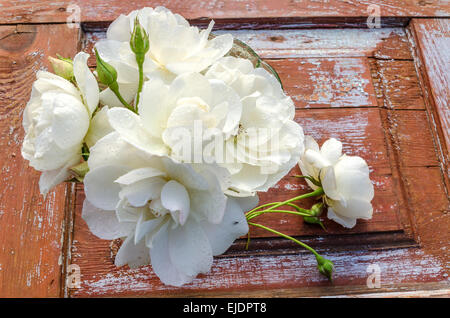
column 56, row 120
column 172, row 118
column 175, row 48
column 344, row 179
column 268, row 143
column 169, row 214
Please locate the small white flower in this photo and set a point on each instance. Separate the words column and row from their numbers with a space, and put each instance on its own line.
column 56, row 120
column 344, row 179
column 168, row 213
column 268, row 142
column 175, row 48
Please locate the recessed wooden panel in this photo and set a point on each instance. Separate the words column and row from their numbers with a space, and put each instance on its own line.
column 361, row 133
column 31, row 227
column 327, row 82
column 371, row 100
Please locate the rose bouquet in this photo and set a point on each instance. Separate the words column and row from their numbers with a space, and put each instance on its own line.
column 173, row 135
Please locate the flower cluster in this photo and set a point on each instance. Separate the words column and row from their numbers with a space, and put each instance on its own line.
column 173, row 136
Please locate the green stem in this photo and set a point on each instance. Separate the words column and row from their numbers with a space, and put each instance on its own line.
column 287, row 237
column 115, row 89
column 248, row 240
column 141, row 80
column 251, row 214
column 274, row 205
column 316, row 192
column 276, row 211
column 261, row 206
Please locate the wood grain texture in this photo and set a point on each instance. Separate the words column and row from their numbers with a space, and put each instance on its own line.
column 40, row 11
column 384, row 43
column 31, row 237
column 399, row 84
column 327, row 82
column 431, row 40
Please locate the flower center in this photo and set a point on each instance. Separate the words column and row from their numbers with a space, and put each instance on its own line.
column 195, row 102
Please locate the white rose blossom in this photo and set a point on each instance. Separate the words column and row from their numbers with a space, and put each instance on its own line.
column 173, row 215
column 175, row 48
column 170, row 114
column 268, row 143
column 344, row 179
column 56, row 120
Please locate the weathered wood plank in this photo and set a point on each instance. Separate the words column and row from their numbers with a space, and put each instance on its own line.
column 266, row 274
column 413, row 138
column 39, row 11
column 31, row 237
column 327, row 82
column 385, row 43
column 399, row 84
column 431, row 38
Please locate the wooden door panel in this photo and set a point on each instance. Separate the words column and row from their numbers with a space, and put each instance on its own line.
column 366, row 94
column 382, row 92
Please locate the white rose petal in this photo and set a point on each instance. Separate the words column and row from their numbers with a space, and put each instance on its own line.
column 175, row 198
column 161, row 262
column 233, row 226
column 135, row 255
column 100, row 188
column 140, row 174
column 70, row 121
column 103, row 223
column 51, row 178
column 86, row 81
column 112, row 150
column 140, row 192
column 132, row 130
column 189, row 249
column 99, row 127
